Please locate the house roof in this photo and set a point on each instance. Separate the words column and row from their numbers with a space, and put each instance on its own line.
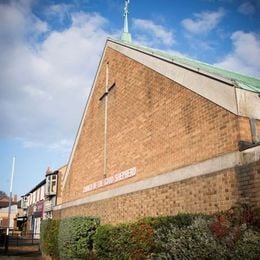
column 241, row 81
column 4, row 204
column 36, row 187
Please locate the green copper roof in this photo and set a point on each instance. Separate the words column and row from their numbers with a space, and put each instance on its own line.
column 241, row 81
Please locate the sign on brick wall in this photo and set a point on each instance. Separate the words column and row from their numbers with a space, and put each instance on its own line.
column 110, row 180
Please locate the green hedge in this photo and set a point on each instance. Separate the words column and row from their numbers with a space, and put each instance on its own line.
column 75, row 237
column 234, row 234
column 49, row 237
column 124, row 241
column 44, row 227
column 227, row 235
column 137, row 240
column 113, row 242
column 181, row 220
column 191, row 242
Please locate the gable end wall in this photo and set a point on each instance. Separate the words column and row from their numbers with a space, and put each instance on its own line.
column 154, row 124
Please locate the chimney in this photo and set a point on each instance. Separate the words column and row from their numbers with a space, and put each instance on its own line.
column 48, row 171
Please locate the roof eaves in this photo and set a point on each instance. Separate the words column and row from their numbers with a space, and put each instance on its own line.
column 232, row 78
column 172, row 59
column 36, row 187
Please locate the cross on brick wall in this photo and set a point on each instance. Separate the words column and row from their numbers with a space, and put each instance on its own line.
column 105, row 97
column 107, row 92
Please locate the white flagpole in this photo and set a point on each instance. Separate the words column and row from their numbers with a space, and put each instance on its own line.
column 10, row 197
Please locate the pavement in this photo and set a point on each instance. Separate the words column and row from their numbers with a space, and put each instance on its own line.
column 21, row 252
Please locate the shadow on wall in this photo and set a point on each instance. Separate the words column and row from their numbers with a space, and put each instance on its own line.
column 248, row 184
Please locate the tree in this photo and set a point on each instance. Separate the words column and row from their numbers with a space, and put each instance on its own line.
column 3, row 194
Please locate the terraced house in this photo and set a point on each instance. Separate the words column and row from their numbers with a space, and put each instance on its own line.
column 163, row 134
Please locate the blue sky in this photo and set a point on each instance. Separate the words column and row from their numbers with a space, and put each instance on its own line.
column 50, row 52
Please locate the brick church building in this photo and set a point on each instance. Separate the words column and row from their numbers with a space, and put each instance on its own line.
column 161, row 135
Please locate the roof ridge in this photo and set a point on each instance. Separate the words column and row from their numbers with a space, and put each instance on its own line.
column 243, row 81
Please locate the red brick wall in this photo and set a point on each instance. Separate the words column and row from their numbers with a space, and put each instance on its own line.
column 245, row 129
column 208, row 193
column 154, row 124
column 60, row 184
column 258, row 130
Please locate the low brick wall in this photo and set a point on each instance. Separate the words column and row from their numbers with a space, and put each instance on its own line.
column 207, row 193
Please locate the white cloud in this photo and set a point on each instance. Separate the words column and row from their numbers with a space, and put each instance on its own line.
column 44, row 84
column 243, row 58
column 151, row 34
column 203, row 22
column 60, row 11
column 246, row 8
column 61, row 146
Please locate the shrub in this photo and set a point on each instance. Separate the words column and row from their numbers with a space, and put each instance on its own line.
column 44, row 227
column 142, row 237
column 75, row 240
column 229, row 227
column 49, row 237
column 102, row 241
column 113, row 242
column 248, row 247
column 191, row 242
column 233, row 234
column 238, row 230
column 179, row 221
column 124, row 241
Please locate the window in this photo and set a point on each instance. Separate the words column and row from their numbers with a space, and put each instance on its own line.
column 51, row 184
column 48, row 214
column 48, row 183
column 24, row 202
column 33, row 197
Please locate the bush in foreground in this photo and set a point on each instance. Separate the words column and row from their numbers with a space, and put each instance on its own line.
column 194, row 241
column 233, row 234
column 49, row 237
column 226, row 235
column 113, row 242
column 75, row 237
column 124, row 241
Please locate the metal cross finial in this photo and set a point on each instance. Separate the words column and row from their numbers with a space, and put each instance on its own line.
column 126, row 7
column 126, row 36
